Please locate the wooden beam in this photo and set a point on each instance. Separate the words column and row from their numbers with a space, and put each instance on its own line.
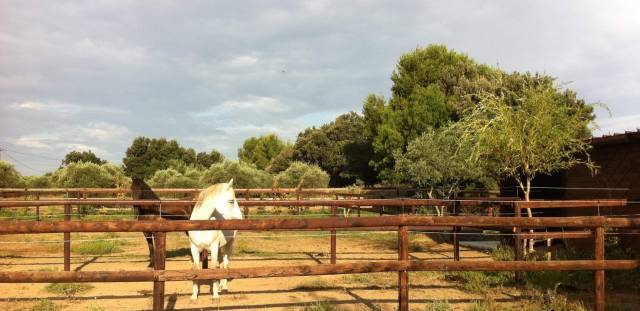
column 16, row 227
column 309, row 270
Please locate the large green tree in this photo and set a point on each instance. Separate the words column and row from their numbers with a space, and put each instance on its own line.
column 82, row 156
column 261, row 150
column 205, row 160
column 340, row 148
column 431, row 86
column 147, row 155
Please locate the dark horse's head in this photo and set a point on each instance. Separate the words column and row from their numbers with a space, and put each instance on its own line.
column 140, row 190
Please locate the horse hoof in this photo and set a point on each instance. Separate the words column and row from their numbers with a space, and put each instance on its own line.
column 193, row 300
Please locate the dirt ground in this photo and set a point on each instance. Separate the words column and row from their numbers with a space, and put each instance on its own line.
column 253, row 249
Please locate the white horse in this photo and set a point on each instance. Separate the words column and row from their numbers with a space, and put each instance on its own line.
column 215, row 202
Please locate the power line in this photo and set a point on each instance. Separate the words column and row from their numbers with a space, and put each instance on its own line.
column 21, row 163
column 29, row 154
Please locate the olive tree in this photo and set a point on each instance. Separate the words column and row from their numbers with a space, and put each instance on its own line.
column 438, row 162
column 538, row 132
column 302, row 175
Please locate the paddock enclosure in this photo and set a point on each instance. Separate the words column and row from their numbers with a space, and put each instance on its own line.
column 347, row 211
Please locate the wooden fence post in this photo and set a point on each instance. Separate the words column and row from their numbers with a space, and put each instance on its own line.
column 159, row 239
column 67, row 240
column 599, row 274
column 517, row 243
column 403, row 276
column 333, row 238
column 245, row 210
column 38, row 208
column 456, row 239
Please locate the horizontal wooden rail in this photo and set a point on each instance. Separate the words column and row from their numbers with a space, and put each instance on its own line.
column 250, row 203
column 572, row 204
column 556, row 235
column 309, row 270
column 15, row 227
column 8, row 192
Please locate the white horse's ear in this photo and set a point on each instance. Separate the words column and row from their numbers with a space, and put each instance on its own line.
column 230, row 183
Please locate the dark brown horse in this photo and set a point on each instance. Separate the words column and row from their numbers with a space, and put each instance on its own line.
column 141, row 191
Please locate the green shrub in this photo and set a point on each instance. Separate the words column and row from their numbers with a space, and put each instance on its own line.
column 68, row 289
column 302, row 175
column 10, row 177
column 171, row 178
column 43, row 181
column 87, row 175
column 44, row 305
column 439, row 305
column 321, row 306
column 96, row 247
column 245, row 175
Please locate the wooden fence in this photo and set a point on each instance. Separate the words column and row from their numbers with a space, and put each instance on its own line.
column 403, row 265
column 590, row 227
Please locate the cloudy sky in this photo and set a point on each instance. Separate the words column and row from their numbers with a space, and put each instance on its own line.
column 94, row 75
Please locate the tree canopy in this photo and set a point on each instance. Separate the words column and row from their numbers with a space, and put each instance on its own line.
column 431, row 86
column 302, row 175
column 534, row 128
column 147, row 155
column 339, row 148
column 10, row 177
column 82, row 156
column 261, row 150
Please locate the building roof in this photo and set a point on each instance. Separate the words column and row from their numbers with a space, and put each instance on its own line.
column 617, row 138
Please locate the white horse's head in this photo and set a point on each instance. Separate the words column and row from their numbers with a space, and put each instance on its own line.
column 228, row 205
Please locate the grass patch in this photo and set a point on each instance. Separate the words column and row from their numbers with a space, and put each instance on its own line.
column 44, row 305
column 480, row 282
column 101, row 247
column 68, row 289
column 322, row 306
column 242, row 247
column 95, row 307
column 379, row 280
column 439, row 305
column 314, row 284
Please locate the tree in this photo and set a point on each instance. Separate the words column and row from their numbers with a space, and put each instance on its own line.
column 261, row 150
column 10, row 177
column 431, row 86
column 171, row 178
column 81, row 156
column 87, row 174
column 302, row 175
column 404, row 120
column 205, row 160
column 282, row 161
column 438, row 162
column 339, row 148
column 534, row 130
column 245, row 175
column 147, row 155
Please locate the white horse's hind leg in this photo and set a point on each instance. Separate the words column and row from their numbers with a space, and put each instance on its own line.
column 195, row 253
column 214, row 255
column 225, row 265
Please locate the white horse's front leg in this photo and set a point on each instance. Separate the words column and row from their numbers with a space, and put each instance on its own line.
column 195, row 253
column 225, row 265
column 214, row 260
